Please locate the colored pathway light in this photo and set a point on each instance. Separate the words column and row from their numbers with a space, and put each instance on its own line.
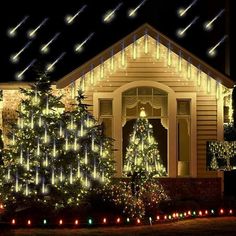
column 29, row 222
column 212, row 211
column 127, row 220
column 104, row 220
column 118, row 220
column 158, row 217
column 230, row 211
column 90, row 221
column 138, row 221
column 206, row 212
column 76, row 222
column 13, row 222
column 60, row 222
column 221, row 211
column 44, row 221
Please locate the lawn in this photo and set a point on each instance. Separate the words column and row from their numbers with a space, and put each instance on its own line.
column 216, row 226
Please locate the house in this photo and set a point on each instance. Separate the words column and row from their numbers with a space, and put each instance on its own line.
column 186, row 100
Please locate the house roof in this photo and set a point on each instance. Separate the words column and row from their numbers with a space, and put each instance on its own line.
column 164, row 40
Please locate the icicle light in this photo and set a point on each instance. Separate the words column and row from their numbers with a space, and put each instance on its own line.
column 54, row 147
column 26, row 189
column 53, row 176
column 21, row 156
column 40, row 121
column 101, row 69
column 32, row 122
column 112, row 60
column 66, row 142
column 158, row 48
column 36, row 175
column 82, row 83
column 217, row 90
column 17, row 183
column 75, row 143
column 169, row 54
column 78, row 170
column 43, row 185
column 71, row 175
column 47, row 105
column 123, row 54
column 199, row 76
column 85, row 155
column 91, row 75
column 134, row 46
column 73, row 90
column 208, row 83
column 180, row 61
column 146, row 42
column 189, row 69
column 28, row 163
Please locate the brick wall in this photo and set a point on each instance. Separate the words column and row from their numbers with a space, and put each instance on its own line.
column 196, row 189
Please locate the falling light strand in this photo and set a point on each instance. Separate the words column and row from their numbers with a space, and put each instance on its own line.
column 51, row 66
column 212, row 51
column 209, row 24
column 45, row 47
column 181, row 32
column 79, row 47
column 132, row 12
column 110, row 14
column 12, row 31
column 19, row 76
column 32, row 33
column 182, row 12
column 69, row 18
column 15, row 57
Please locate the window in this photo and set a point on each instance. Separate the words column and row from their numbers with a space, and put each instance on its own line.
column 105, row 107
column 183, row 107
column 153, row 100
column 105, row 113
column 183, row 137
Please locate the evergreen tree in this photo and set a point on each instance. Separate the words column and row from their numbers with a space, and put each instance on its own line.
column 142, row 154
column 85, row 140
column 52, row 157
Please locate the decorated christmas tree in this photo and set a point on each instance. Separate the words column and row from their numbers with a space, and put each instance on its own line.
column 142, row 154
column 53, row 157
column 92, row 150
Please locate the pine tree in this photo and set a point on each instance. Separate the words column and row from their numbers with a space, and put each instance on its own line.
column 142, row 154
column 85, row 139
column 53, row 158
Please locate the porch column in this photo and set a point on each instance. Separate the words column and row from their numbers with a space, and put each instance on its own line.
column 172, row 148
column 117, row 128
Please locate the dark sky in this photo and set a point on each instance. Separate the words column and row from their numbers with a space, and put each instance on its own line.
column 161, row 14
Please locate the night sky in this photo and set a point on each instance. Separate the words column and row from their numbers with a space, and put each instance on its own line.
column 161, row 14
